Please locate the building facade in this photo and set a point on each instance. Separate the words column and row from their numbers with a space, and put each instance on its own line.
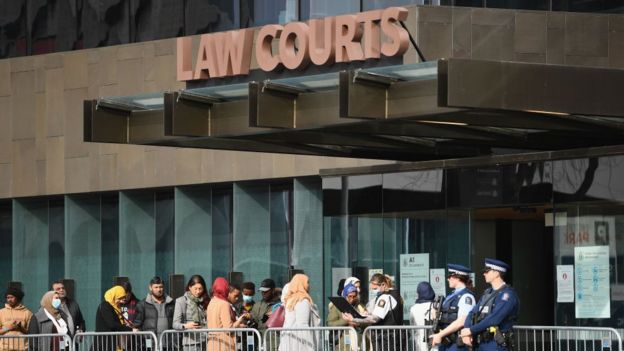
column 91, row 211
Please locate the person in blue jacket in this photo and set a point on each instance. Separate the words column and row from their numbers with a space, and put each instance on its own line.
column 489, row 325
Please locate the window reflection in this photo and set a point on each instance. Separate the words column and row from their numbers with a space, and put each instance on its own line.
column 6, row 252
column 325, row 8
column 208, row 16
column 104, row 23
column 13, row 28
column 148, row 19
column 259, row 12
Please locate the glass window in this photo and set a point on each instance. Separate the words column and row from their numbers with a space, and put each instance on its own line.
column 57, row 240
column 262, row 229
column 31, row 242
column 614, row 6
column 588, row 212
column 13, row 41
column 222, row 231
column 137, row 239
column 202, row 16
column 203, row 222
column 520, row 4
column 326, row 8
column 110, row 237
column 54, row 26
column 6, row 243
column 466, row 3
column 382, row 4
column 260, row 12
column 104, row 23
column 281, row 231
column 153, row 20
column 84, row 252
column 164, row 214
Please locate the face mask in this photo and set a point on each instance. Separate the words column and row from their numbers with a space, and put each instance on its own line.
column 375, row 291
column 247, row 298
column 56, row 303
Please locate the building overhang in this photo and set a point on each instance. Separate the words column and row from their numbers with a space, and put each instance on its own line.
column 443, row 109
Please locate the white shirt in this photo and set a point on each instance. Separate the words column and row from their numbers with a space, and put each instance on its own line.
column 384, row 304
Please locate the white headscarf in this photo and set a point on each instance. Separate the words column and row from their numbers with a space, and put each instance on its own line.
column 351, row 280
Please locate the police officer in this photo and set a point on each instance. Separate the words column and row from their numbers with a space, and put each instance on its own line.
column 490, row 322
column 454, row 309
column 388, row 310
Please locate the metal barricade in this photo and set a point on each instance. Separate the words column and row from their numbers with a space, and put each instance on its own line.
column 396, row 338
column 562, row 338
column 312, row 339
column 115, row 341
column 234, row 339
column 35, row 342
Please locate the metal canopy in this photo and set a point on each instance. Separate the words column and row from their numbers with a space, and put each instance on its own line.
column 431, row 110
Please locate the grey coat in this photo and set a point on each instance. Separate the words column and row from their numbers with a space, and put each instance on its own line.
column 41, row 324
column 180, row 318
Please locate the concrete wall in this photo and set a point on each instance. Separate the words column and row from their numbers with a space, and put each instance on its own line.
column 41, row 148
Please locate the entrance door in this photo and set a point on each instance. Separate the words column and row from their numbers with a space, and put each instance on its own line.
column 517, row 235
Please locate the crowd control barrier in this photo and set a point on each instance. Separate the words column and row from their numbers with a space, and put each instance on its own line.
column 396, row 338
column 115, row 341
column 39, row 342
column 311, row 339
column 235, row 339
column 562, row 338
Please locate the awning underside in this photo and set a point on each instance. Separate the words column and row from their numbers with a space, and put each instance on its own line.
column 431, row 110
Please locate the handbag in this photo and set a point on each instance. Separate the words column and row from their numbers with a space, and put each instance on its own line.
column 276, row 319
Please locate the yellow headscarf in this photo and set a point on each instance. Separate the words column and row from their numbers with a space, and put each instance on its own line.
column 297, row 291
column 112, row 294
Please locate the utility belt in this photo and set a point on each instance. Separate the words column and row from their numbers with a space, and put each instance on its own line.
column 449, row 339
column 504, row 339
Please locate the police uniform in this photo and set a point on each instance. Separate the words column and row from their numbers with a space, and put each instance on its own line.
column 458, row 304
column 389, row 309
column 491, row 320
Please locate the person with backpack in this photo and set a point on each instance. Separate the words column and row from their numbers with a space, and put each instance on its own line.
column 422, row 314
column 454, row 309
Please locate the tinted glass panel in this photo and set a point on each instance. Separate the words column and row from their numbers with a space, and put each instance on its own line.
column 259, row 12
column 209, row 16
column 104, row 23
column 324, row 8
column 13, row 28
column 588, row 5
column 54, row 26
column 520, row 4
column 161, row 19
column 589, row 179
column 6, row 252
column 381, row 4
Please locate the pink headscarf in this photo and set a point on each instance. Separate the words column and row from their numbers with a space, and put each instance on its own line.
column 220, row 288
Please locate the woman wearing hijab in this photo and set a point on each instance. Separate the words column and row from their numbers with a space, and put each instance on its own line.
column 220, row 315
column 301, row 312
column 189, row 314
column 48, row 320
column 109, row 318
column 351, row 294
column 422, row 312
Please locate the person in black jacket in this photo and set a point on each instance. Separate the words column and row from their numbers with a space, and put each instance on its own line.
column 155, row 312
column 108, row 318
column 75, row 321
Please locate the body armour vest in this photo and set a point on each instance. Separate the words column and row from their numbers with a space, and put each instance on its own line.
column 489, row 298
column 450, row 308
column 395, row 315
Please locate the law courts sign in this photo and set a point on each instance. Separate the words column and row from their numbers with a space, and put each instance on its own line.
column 346, row 38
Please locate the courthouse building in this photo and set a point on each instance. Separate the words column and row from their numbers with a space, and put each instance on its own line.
column 254, row 139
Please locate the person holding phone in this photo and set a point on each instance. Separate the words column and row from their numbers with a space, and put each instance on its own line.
column 189, row 314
